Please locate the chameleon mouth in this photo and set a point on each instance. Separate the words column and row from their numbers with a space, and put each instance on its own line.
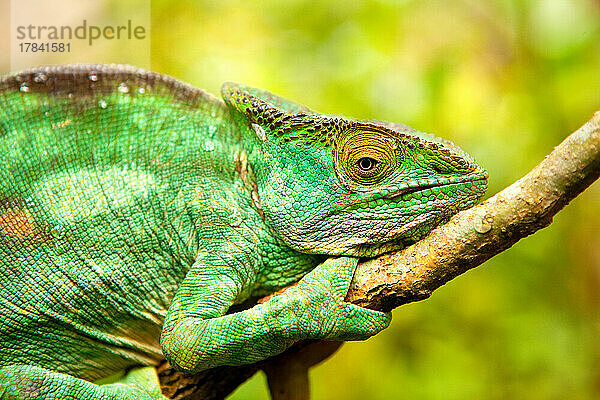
column 425, row 186
column 410, row 190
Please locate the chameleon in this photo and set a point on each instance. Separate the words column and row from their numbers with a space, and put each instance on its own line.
column 136, row 212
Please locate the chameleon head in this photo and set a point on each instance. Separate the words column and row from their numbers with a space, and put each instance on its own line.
column 330, row 185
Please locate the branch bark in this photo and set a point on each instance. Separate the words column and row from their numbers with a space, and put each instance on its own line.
column 412, row 274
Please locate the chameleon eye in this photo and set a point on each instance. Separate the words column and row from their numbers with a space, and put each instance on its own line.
column 367, row 164
column 365, row 157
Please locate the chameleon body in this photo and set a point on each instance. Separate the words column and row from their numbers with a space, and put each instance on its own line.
column 135, row 210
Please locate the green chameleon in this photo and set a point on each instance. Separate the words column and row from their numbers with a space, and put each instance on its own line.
column 135, row 210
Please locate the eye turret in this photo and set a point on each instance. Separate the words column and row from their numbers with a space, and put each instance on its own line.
column 366, row 157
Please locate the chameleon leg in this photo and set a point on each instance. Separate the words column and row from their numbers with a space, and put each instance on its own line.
column 196, row 335
column 23, row 382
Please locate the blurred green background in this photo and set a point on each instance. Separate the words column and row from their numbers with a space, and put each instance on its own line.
column 507, row 81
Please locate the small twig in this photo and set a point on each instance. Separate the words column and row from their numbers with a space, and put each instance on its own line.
column 287, row 374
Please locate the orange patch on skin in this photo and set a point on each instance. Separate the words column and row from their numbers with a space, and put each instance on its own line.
column 16, row 224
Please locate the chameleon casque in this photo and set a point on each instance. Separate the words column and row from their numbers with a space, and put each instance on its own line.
column 135, row 210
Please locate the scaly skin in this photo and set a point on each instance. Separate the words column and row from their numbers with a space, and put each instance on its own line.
column 134, row 207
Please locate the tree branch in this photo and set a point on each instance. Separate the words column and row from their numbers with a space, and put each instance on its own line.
column 466, row 241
